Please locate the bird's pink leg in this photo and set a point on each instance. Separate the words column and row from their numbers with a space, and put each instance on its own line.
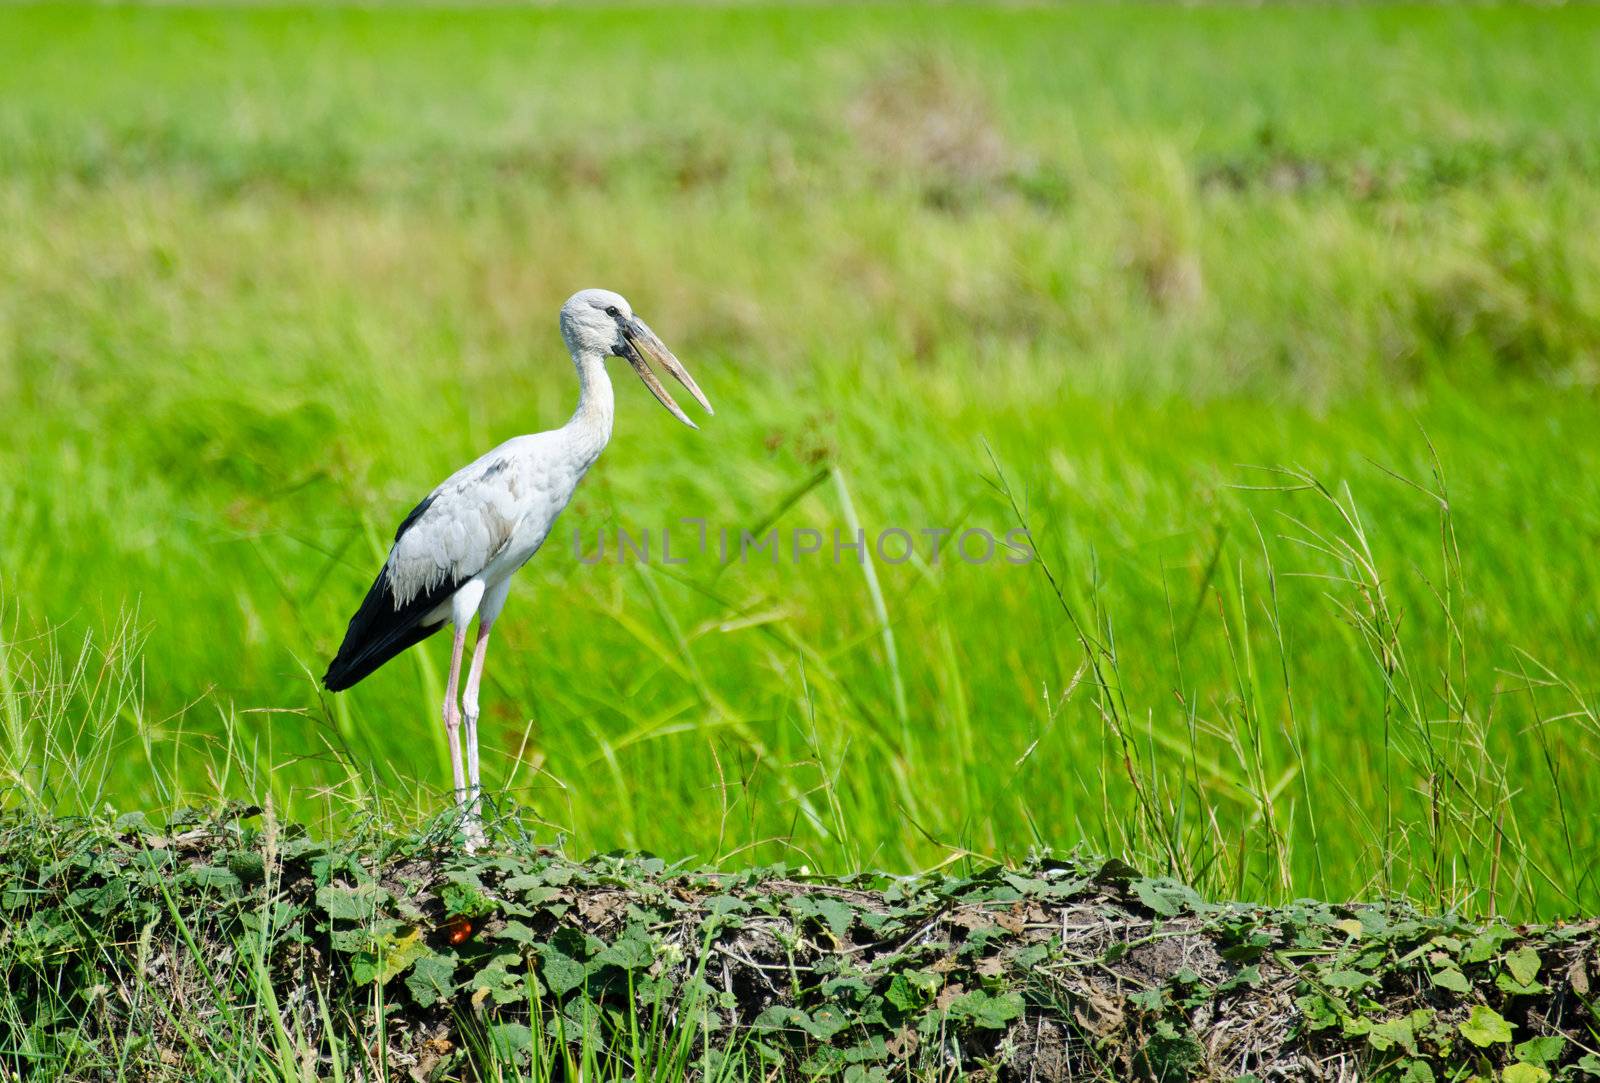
column 469, row 705
column 452, row 713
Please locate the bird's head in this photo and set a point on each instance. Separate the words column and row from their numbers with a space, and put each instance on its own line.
column 599, row 322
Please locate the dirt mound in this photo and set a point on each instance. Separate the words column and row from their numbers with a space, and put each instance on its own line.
column 410, row 959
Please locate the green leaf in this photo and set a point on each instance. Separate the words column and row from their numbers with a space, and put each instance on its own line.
column 388, row 958
column 1248, row 948
column 1032, row 955
column 539, row 896
column 517, row 933
column 561, row 972
column 247, row 865
column 511, row 1040
column 827, row 1021
column 781, row 1017
column 1153, row 999
column 431, row 980
column 911, row 989
column 1524, row 1073
column 465, row 897
column 503, row 979
column 838, row 915
column 1386, row 1035
column 860, row 1073
column 1524, row 965
column 1482, row 948
column 1508, row 984
column 1166, row 896
column 1115, row 870
column 214, row 876
column 1248, row 976
column 132, row 821
column 1417, row 1071
column 903, row 996
column 629, row 953
column 1453, row 980
column 726, row 905
column 343, row 903
column 1541, row 1051
column 1169, row 1054
column 1320, row 1013
column 365, row 936
column 847, row 987
column 1485, row 1027
column 983, row 1010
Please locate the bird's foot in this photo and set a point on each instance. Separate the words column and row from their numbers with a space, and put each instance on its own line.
column 472, row 828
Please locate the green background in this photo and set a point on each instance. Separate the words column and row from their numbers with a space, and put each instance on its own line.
column 267, row 275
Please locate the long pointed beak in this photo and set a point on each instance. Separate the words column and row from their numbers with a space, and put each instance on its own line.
column 644, row 346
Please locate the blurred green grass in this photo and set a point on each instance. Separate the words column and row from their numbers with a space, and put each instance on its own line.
column 270, row 274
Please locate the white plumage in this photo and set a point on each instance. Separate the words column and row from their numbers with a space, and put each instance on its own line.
column 491, row 515
column 454, row 555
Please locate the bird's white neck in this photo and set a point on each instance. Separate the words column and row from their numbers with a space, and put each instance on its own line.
column 590, row 427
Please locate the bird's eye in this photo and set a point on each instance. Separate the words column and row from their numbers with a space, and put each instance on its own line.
column 611, row 310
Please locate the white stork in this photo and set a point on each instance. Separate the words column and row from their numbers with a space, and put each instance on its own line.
column 454, row 555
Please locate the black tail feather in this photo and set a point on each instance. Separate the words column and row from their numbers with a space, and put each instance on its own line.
column 380, row 630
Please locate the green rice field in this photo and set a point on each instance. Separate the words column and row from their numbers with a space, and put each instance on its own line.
column 1277, row 330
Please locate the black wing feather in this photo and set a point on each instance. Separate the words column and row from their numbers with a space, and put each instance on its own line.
column 380, row 629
